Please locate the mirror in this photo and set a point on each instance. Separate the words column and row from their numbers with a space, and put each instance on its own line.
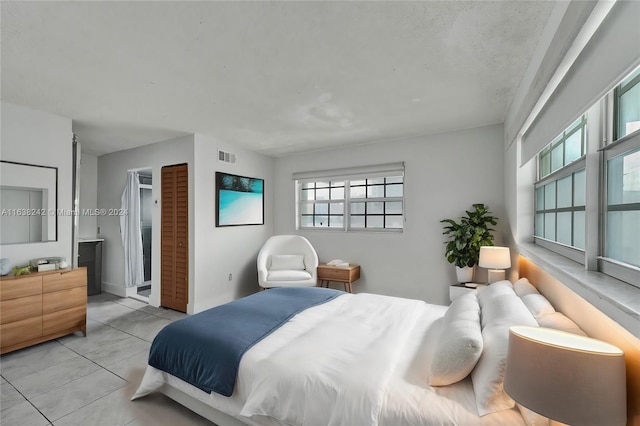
column 28, row 203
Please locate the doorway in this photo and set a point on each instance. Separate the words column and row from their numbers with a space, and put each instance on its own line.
column 146, row 226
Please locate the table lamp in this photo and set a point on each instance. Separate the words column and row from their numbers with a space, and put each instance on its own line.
column 496, row 259
column 566, row 377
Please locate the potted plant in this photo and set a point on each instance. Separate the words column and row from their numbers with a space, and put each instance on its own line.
column 465, row 239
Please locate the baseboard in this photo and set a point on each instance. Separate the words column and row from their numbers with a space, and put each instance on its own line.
column 118, row 290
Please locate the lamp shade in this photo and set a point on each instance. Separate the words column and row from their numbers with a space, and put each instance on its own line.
column 494, row 257
column 566, row 377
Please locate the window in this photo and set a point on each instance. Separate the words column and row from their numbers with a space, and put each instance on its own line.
column 358, row 199
column 568, row 147
column 622, row 232
column 620, row 254
column 627, row 105
column 609, row 219
column 560, row 190
column 322, row 204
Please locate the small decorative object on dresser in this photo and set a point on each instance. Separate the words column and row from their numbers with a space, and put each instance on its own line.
column 42, row 306
column 339, row 272
column 5, row 266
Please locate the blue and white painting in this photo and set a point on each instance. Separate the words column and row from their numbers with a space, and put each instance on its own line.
column 240, row 200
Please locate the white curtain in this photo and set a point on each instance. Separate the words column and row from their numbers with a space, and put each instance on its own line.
column 131, row 232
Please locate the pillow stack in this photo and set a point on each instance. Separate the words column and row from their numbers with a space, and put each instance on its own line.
column 459, row 345
column 500, row 309
column 542, row 310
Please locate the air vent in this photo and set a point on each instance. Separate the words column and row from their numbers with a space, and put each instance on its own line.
column 226, row 157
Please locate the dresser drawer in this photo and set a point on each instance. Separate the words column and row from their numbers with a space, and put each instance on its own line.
column 20, row 331
column 64, row 299
column 19, row 309
column 64, row 320
column 20, row 287
column 331, row 274
column 64, row 280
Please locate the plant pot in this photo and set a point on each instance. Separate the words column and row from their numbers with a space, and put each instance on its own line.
column 465, row 275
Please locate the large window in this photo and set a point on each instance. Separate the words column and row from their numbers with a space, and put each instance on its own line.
column 359, row 199
column 622, row 177
column 627, row 105
column 602, row 222
column 623, row 207
column 560, row 190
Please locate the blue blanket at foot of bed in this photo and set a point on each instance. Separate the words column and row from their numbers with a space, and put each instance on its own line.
column 205, row 349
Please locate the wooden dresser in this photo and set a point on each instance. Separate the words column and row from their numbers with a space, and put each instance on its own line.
column 42, row 306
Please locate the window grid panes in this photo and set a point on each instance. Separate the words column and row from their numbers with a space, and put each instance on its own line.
column 563, row 218
column 363, row 204
column 627, row 105
column 560, row 208
column 565, row 149
column 322, row 204
column 622, row 232
column 559, row 199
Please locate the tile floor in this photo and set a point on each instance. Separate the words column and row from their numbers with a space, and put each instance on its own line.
column 89, row 381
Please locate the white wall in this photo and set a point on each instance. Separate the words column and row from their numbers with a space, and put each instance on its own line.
column 88, row 224
column 444, row 175
column 227, row 250
column 37, row 137
column 112, row 177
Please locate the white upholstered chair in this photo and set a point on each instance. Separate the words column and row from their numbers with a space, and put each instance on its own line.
column 287, row 261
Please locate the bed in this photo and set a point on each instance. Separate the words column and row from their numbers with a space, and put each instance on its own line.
column 364, row 359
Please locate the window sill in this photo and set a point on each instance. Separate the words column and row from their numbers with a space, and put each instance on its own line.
column 617, row 299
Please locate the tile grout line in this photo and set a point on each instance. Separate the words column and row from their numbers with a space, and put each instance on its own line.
column 28, row 400
column 100, row 367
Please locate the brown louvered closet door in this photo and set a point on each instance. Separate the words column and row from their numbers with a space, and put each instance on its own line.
column 174, row 277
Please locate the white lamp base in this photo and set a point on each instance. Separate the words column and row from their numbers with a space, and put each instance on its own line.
column 496, row 275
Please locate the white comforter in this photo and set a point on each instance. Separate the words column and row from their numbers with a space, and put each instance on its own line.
column 352, row 361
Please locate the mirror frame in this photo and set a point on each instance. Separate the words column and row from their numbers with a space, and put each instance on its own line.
column 7, row 179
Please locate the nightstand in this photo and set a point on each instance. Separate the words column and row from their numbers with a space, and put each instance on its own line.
column 338, row 274
column 457, row 290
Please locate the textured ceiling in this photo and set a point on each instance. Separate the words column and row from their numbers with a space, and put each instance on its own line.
column 274, row 77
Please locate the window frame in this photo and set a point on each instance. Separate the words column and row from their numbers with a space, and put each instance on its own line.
column 599, row 146
column 617, row 94
column 617, row 269
column 348, row 177
column 567, row 169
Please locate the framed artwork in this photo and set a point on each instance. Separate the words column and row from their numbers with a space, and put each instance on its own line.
column 239, row 200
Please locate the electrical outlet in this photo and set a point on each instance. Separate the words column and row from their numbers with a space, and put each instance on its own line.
column 230, row 277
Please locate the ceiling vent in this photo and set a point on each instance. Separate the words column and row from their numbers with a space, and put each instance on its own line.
column 226, row 157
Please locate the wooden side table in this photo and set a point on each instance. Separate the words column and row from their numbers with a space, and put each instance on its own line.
column 338, row 274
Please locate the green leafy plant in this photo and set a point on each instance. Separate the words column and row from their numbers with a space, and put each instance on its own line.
column 21, row 270
column 468, row 235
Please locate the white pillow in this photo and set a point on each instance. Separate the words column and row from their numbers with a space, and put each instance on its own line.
column 287, row 262
column 538, row 305
column 498, row 314
column 558, row 321
column 493, row 290
column 459, row 344
column 522, row 287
